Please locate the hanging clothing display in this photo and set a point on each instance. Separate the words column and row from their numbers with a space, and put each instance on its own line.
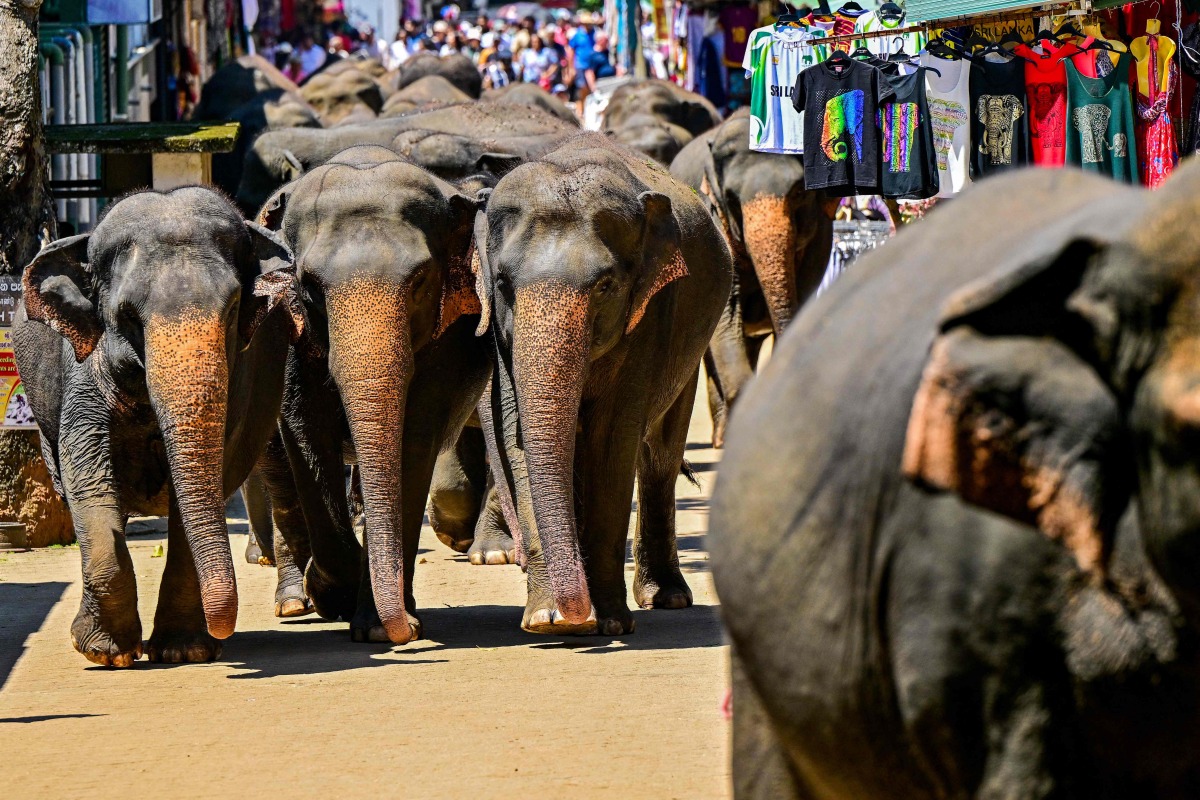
column 1046, row 89
column 839, row 98
column 775, row 127
column 1189, row 50
column 999, row 117
column 949, row 97
column 1101, row 134
column 910, row 170
column 737, row 22
column 1157, row 78
column 883, row 46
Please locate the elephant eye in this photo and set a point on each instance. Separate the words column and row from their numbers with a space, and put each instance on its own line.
column 605, row 285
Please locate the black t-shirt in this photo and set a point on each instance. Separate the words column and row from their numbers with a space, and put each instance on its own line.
column 909, row 160
column 839, row 99
column 999, row 117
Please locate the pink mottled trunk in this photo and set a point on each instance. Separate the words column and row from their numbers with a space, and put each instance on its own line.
column 771, row 242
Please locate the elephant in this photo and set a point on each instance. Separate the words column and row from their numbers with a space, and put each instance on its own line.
column 237, row 83
column 998, row 113
column 428, row 91
column 1092, row 122
column 664, row 100
column 458, row 69
column 533, row 96
column 843, row 119
column 780, row 235
column 160, row 336
column 385, row 266
column 464, row 508
column 273, row 109
column 955, row 529
column 658, row 139
column 602, row 280
column 278, row 157
column 344, row 94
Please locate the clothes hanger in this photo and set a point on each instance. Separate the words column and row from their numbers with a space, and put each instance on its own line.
column 789, row 15
column 1012, row 37
column 1154, row 24
column 890, row 11
column 861, row 53
column 851, row 6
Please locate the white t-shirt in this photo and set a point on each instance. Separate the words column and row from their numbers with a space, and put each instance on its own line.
column 883, row 46
column 775, row 126
column 949, row 97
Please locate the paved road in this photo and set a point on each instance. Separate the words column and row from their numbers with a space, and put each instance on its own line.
column 478, row 710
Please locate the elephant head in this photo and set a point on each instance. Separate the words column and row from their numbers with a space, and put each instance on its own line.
column 1060, row 391
column 384, row 253
column 569, row 265
column 1092, row 122
column 843, row 118
column 767, row 215
column 160, row 300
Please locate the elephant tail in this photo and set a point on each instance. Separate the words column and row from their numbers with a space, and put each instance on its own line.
column 689, row 472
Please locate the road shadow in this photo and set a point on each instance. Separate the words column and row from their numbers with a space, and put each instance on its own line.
column 25, row 606
column 273, row 653
column 44, row 718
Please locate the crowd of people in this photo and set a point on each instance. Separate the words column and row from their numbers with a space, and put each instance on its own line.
column 564, row 54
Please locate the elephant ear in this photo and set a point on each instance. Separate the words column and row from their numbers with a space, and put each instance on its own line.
column 479, row 264
column 458, row 282
column 275, row 286
column 1011, row 415
column 270, row 216
column 662, row 258
column 57, row 290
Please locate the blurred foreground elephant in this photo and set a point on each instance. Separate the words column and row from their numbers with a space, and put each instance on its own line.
column 604, row 279
column 780, row 236
column 152, row 351
column 956, row 533
column 384, row 254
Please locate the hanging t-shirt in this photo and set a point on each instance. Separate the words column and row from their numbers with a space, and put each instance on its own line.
column 845, row 22
column 999, row 117
column 737, row 22
column 909, row 165
column 1046, row 90
column 1100, row 135
column 883, row 46
column 774, row 126
column 949, row 97
column 759, row 37
column 841, row 142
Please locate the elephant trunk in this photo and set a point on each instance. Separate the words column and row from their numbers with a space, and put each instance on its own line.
column 770, row 240
column 551, row 343
column 187, row 374
column 371, row 359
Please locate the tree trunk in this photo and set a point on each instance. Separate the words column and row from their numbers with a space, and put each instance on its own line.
column 26, row 219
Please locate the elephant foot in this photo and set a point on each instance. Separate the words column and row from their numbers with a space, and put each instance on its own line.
column 546, row 618
column 255, row 555
column 367, row 627
column 293, row 603
column 182, row 646
column 670, row 592
column 331, row 600
column 498, row 548
column 457, row 545
column 107, row 648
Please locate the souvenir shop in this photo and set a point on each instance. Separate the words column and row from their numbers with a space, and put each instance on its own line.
column 917, row 100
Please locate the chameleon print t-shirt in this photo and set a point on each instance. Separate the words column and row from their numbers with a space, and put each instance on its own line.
column 839, row 100
column 909, row 166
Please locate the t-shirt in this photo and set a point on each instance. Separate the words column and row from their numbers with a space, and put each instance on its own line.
column 737, row 22
column 1100, row 133
column 949, row 97
column 999, row 117
column 909, row 165
column 883, row 46
column 841, row 142
column 774, row 126
column 1046, row 90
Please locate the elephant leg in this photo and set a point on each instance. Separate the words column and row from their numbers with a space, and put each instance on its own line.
column 312, row 425
column 497, row 418
column 291, row 536
column 493, row 543
column 606, row 465
column 761, row 769
column 726, row 358
column 457, row 492
column 180, row 630
column 657, row 580
column 260, row 544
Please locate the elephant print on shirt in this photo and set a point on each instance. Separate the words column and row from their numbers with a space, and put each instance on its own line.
column 898, row 122
column 1120, row 146
column 1092, row 122
column 1049, row 101
column 999, row 115
column 947, row 116
column 843, row 117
